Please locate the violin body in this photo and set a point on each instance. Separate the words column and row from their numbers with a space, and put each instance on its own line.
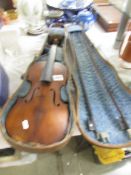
column 41, row 116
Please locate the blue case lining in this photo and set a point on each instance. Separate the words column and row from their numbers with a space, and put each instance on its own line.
column 104, row 112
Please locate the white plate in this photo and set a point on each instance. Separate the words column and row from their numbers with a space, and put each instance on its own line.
column 56, row 4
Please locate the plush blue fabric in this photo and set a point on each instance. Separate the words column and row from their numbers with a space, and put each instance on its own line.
column 103, row 109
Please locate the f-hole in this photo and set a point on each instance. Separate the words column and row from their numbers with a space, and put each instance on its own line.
column 55, row 98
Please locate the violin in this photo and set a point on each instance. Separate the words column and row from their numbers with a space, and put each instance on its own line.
column 41, row 116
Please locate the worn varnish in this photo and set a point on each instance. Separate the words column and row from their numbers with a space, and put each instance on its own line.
column 41, row 116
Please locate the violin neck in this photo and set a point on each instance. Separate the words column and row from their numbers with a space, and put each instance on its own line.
column 46, row 75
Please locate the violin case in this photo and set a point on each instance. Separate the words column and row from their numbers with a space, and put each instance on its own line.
column 23, row 90
column 103, row 96
column 98, row 101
